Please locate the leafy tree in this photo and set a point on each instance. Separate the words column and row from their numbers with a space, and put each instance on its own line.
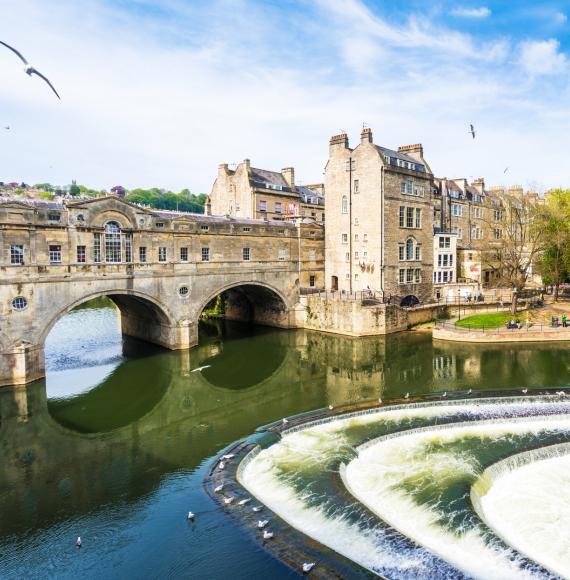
column 74, row 189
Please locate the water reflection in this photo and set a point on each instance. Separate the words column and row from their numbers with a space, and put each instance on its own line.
column 119, row 429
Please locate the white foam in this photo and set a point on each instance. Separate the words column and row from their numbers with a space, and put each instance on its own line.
column 530, row 508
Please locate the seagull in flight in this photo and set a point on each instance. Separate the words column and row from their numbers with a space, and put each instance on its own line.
column 472, row 130
column 29, row 69
column 7, row 127
column 506, row 169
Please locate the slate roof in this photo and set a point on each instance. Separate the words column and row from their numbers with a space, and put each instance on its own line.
column 35, row 203
column 265, row 176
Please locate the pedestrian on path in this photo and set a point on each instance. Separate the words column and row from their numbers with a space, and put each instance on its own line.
column 564, row 320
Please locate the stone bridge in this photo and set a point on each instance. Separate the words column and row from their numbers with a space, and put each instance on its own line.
column 160, row 268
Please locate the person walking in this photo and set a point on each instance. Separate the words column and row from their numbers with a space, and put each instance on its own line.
column 564, row 320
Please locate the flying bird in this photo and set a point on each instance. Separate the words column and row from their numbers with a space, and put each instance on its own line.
column 472, row 130
column 7, row 127
column 29, row 69
column 506, row 169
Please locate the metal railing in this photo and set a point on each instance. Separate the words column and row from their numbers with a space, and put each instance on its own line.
column 533, row 327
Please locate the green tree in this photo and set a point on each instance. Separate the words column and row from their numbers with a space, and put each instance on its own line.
column 74, row 189
column 552, row 219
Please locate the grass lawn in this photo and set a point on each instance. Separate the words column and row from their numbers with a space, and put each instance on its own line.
column 489, row 320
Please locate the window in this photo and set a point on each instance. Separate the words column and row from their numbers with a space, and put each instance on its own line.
column 439, row 276
column 112, row 242
column 80, row 217
column 312, row 255
column 456, row 210
column 281, row 254
column 418, row 218
column 445, row 260
column 403, row 187
column 402, row 212
column 478, row 212
column 470, row 256
column 356, row 187
column 345, row 238
column 55, row 254
column 498, row 234
column 162, row 254
column 347, row 257
column 401, row 253
column 17, row 254
column 183, row 254
column 128, row 248
column 365, row 238
column 97, row 248
column 347, row 276
column 183, row 290
column 142, row 254
column 410, row 249
column 356, row 237
column 262, row 205
column 204, row 228
column 246, row 254
column 409, row 275
column 410, row 186
column 205, row 254
column 160, row 225
column 356, row 255
column 409, row 217
column 81, row 254
column 444, row 242
column 355, row 221
column 402, row 275
column 418, row 252
column 19, row 303
column 279, row 231
column 344, row 207
column 451, row 259
column 248, row 229
column 54, row 217
column 323, row 217
column 356, row 276
column 476, row 233
column 278, row 208
column 497, row 215
column 459, row 231
column 312, row 281
column 365, row 254
column 418, row 276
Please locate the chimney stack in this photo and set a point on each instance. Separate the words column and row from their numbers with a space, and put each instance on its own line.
column 338, row 142
column 366, row 135
column 416, row 151
column 288, row 174
column 479, row 185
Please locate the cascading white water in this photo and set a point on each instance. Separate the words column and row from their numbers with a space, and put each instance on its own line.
column 527, row 503
column 298, row 479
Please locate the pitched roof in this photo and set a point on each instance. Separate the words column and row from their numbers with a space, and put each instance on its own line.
column 265, row 176
column 34, row 203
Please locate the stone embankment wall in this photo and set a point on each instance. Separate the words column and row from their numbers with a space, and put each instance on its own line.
column 350, row 317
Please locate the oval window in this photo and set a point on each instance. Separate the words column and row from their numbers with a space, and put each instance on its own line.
column 183, row 290
column 19, row 303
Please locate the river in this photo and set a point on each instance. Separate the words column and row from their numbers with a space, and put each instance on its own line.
column 113, row 445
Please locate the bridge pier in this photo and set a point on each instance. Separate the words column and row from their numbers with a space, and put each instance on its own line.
column 21, row 363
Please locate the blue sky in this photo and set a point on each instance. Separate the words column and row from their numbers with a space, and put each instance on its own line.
column 159, row 93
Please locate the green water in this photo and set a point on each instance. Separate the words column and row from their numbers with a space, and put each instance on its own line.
column 113, row 445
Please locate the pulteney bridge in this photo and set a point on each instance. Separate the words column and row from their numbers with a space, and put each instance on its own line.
column 160, row 268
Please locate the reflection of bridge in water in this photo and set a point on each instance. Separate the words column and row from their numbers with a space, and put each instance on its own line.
column 153, row 416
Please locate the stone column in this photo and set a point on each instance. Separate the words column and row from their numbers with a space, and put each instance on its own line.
column 21, row 364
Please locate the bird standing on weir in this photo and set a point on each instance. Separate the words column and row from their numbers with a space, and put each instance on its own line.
column 29, row 69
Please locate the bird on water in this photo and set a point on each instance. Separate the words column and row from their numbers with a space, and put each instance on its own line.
column 78, row 542
column 308, row 566
column 29, row 69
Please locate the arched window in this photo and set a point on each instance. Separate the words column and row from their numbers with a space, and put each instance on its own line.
column 112, row 242
column 410, row 249
column 344, row 204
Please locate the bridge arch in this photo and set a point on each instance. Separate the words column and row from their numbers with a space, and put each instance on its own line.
column 251, row 301
column 142, row 315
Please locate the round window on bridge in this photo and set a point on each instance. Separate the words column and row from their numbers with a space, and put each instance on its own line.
column 183, row 291
column 19, row 303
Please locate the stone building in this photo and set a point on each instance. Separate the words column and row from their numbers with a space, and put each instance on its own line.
column 379, row 224
column 249, row 192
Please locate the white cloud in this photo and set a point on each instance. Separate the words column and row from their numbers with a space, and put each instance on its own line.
column 161, row 101
column 542, row 57
column 560, row 18
column 464, row 12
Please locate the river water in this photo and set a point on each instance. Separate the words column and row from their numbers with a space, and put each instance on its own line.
column 114, row 444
